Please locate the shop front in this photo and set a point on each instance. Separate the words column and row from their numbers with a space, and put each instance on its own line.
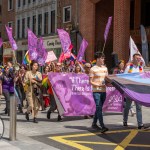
column 7, row 53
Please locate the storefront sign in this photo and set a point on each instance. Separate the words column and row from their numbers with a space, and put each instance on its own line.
column 7, row 49
column 52, row 42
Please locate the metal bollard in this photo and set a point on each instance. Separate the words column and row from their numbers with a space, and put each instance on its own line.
column 13, row 116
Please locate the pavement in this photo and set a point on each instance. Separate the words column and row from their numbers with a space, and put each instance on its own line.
column 75, row 133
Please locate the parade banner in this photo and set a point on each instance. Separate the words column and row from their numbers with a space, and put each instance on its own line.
column 11, row 39
column 107, row 28
column 65, row 40
column 32, row 45
column 135, row 86
column 133, row 50
column 1, row 42
column 51, row 56
column 74, row 93
column 144, row 45
column 82, row 49
column 114, row 100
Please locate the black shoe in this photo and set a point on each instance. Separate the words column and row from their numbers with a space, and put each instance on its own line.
column 59, row 118
column 125, row 124
column 48, row 115
column 104, row 129
column 27, row 116
column 142, row 127
column 35, row 120
column 95, row 126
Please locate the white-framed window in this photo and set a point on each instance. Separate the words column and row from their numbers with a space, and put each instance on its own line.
column 67, row 14
column 10, row 24
column 19, row 3
column 10, row 5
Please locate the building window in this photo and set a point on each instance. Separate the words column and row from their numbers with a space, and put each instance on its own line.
column 67, row 14
column 18, row 29
column 10, row 4
column 10, row 24
column 24, row 2
column 53, row 21
column 33, row 1
column 39, row 24
column 28, row 22
column 29, row 1
column 46, row 23
column 19, row 3
column 23, row 28
column 34, row 24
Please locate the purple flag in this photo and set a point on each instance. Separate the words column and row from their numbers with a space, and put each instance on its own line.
column 42, row 53
column 1, row 42
column 114, row 100
column 11, row 39
column 65, row 40
column 32, row 45
column 82, row 49
column 107, row 28
column 74, row 93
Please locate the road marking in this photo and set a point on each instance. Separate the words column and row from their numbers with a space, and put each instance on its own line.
column 139, row 145
column 70, row 143
column 120, row 146
column 95, row 143
column 127, row 140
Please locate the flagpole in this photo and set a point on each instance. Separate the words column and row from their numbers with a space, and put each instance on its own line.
column 104, row 47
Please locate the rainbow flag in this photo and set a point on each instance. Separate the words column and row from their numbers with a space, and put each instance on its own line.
column 26, row 59
column 45, row 82
column 93, row 62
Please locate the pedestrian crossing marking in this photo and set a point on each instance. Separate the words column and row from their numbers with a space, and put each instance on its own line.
column 119, row 146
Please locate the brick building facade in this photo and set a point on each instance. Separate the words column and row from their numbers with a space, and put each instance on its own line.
column 89, row 18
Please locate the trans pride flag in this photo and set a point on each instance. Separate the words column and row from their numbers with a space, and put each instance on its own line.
column 135, row 86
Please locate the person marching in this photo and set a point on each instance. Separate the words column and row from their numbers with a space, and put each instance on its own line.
column 97, row 79
column 33, row 79
column 7, row 86
column 133, row 67
column 53, row 104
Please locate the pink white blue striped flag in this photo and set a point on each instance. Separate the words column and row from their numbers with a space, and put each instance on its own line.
column 107, row 28
column 11, row 39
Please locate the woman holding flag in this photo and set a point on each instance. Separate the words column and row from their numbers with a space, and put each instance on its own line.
column 33, row 79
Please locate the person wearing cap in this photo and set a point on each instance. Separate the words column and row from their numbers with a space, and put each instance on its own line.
column 97, row 79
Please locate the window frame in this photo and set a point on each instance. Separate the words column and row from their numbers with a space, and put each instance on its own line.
column 64, row 13
column 9, row 9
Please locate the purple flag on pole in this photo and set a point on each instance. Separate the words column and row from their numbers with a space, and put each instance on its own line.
column 1, row 42
column 42, row 53
column 74, row 93
column 107, row 28
column 82, row 49
column 32, row 45
column 11, row 39
column 65, row 40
